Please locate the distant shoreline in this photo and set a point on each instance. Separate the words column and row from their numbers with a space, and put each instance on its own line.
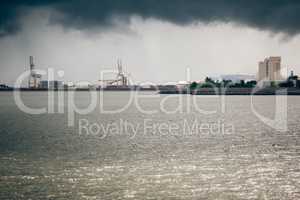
column 200, row 91
column 77, row 89
column 236, row 91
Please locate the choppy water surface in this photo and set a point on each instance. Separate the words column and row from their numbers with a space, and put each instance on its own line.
column 42, row 157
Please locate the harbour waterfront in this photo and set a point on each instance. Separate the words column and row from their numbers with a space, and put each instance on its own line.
column 42, row 157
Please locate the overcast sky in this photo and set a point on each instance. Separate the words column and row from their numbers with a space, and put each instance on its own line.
column 155, row 41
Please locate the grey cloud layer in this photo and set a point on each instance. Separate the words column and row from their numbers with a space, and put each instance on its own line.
column 273, row 15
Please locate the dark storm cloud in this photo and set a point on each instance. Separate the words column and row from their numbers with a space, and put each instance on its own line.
column 273, row 15
column 11, row 10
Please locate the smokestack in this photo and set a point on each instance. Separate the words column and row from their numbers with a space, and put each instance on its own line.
column 31, row 63
column 32, row 81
